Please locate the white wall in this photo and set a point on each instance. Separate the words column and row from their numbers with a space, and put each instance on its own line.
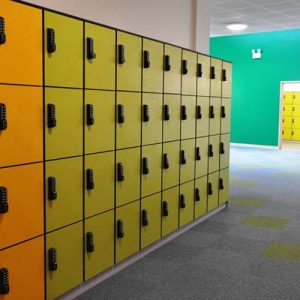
column 172, row 21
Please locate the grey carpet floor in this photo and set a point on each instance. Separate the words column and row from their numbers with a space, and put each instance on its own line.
column 250, row 250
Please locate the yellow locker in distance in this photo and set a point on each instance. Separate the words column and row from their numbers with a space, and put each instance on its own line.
column 215, row 77
column 215, row 116
column 296, row 122
column 100, row 45
column 63, row 39
column 64, row 261
column 99, row 183
column 288, row 98
column 188, row 117
column 128, row 116
column 63, row 182
column 296, row 110
column 63, row 118
column 287, row 133
column 200, row 197
column 187, row 160
column 296, row 98
column 171, row 118
column 213, row 153
column 287, row 122
column 127, row 230
column 186, row 203
column 170, row 210
column 201, row 157
column 127, row 175
column 223, row 186
column 152, row 66
column 226, row 79
column 99, row 243
column 213, row 191
column 151, row 169
column 224, row 150
column 225, row 115
column 202, row 116
column 203, row 73
column 189, row 72
column 287, row 110
column 296, row 134
column 172, row 69
column 150, row 219
column 151, row 119
column 129, row 62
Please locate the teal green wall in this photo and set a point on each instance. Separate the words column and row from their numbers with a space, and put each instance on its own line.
column 256, row 83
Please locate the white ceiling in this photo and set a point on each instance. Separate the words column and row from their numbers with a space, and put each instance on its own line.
column 259, row 15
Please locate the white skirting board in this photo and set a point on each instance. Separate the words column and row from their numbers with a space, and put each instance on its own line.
column 122, row 265
column 254, row 146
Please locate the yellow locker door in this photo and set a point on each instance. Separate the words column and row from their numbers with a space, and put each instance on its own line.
column 129, row 62
column 296, row 122
column 200, row 197
column 127, row 176
column 99, row 183
column 22, row 271
column 212, row 191
column 127, row 230
column 100, row 45
column 128, row 116
column 99, row 121
column 287, row 122
column 213, row 153
column 287, row 110
column 171, row 118
column 201, row 156
column 63, row 118
column 170, row 210
column 287, row 133
column 288, row 98
column 296, row 98
column 151, row 169
column 170, row 164
column 188, row 117
column 226, row 79
column 150, row 219
column 63, row 204
column 99, row 244
column 64, row 261
column 296, row 134
column 223, row 186
column 189, row 72
column 225, row 115
column 224, row 150
column 215, row 77
column 202, row 116
column 187, row 160
column 203, row 74
column 214, row 116
column 151, row 119
column 152, row 66
column 296, row 111
column 186, row 203
column 63, row 51
column 172, row 69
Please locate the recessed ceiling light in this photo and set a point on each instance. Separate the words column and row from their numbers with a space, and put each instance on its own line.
column 237, row 27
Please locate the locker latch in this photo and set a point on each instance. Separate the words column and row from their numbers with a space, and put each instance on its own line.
column 146, row 116
column 145, row 221
column 3, row 200
column 209, row 189
column 197, row 194
column 222, row 148
column 121, row 114
column 120, row 229
column 165, row 161
column 90, row 247
column 223, row 112
column 90, row 179
column 121, row 54
column 212, row 72
column 182, row 157
column 184, row 67
column 52, row 256
column 90, row 115
column 3, row 117
column 165, row 209
column 198, row 112
column 224, row 77
column 221, row 184
column 210, row 150
column 2, row 31
column 166, row 112
column 51, row 46
column 211, row 112
column 199, row 70
column 51, row 115
column 90, row 49
column 4, row 281
column 52, row 193
column 145, row 167
column 120, row 172
column 167, row 63
column 198, row 153
column 146, row 59
column 183, row 112
column 182, row 201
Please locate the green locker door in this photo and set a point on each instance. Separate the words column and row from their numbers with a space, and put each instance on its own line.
column 287, row 133
column 288, row 98
column 188, row 117
column 63, row 123
column 296, row 134
column 189, row 72
column 223, row 186
column 201, row 156
column 215, row 77
column 127, row 230
column 63, row 203
column 152, row 66
column 100, row 43
column 296, row 122
column 128, row 119
column 212, row 191
column 200, row 197
column 99, row 244
column 99, row 121
column 225, row 115
column 186, row 203
column 202, row 116
column 64, row 260
column 171, row 118
column 150, row 219
column 213, row 153
column 170, row 164
column 296, row 111
column 187, row 160
column 151, row 119
column 172, row 69
column 296, row 98
column 214, row 116
column 151, row 169
column 287, row 122
column 170, row 210
column 99, row 183
column 203, row 82
column 224, row 151
column 127, row 176
column 226, row 79
column 129, row 62
column 287, row 110
column 63, row 56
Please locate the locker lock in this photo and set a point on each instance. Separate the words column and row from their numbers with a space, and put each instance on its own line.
column 146, row 116
column 4, row 281
column 90, row 49
column 3, row 118
column 222, row 148
column 224, row 77
column 120, row 172
column 121, row 114
column 212, row 72
column 198, row 112
column 197, row 194
column 221, row 184
column 145, row 221
column 90, row 115
column 2, row 31
column 184, row 67
column 223, row 112
column 182, row 201
column 51, row 45
column 165, row 209
column 51, row 115
column 146, row 59
column 145, row 166
column 199, row 70
column 210, row 150
column 198, row 153
column 167, row 63
column 90, row 184
column 121, row 54
column 3, row 200
column 182, row 157
column 52, row 193
column 90, row 247
column 183, row 112
column 211, row 112
column 209, row 189
column 165, row 161
column 52, row 257
column 166, row 113
column 120, row 229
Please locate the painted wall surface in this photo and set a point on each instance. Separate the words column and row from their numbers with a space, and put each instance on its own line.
column 256, row 83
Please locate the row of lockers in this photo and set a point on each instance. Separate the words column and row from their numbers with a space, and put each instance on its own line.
column 109, row 59
column 290, row 98
column 109, row 238
column 291, row 133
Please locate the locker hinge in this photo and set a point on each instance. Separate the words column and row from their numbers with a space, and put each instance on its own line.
column 3, row 200
column 90, row 115
column 146, row 59
column 197, row 194
column 120, row 229
column 145, row 168
column 3, row 117
column 165, row 161
column 145, row 221
column 199, row 70
column 90, row 247
column 52, row 257
column 198, row 112
column 121, row 54
column 90, row 49
column 52, row 193
column 4, row 281
column 146, row 116
column 120, row 172
column 182, row 201
column 167, row 63
column 165, row 209
column 90, row 184
column 51, row 115
column 184, row 67
column 51, row 45
column 2, row 31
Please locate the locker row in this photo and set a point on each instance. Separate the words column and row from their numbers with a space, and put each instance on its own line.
column 290, row 98
column 109, row 59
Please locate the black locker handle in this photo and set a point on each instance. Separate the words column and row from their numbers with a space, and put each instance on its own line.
column 121, row 114
column 166, row 164
column 90, row 49
column 210, row 189
column 211, row 111
column 90, row 120
column 182, row 157
column 121, row 54
column 165, row 209
column 3, row 117
column 120, row 172
column 51, row 115
column 145, row 166
column 146, row 59
column 146, row 115
column 120, row 229
column 51, row 45
column 198, row 112
column 199, row 70
column 183, row 112
column 167, row 63
column 52, row 193
column 198, row 153
column 145, row 221
column 90, row 184
column 221, row 184
column 224, row 75
column 222, row 148
column 182, row 201
column 223, row 112
column 4, row 281
column 210, row 150
column 184, row 67
column 197, row 194
column 166, row 112
column 3, row 200
column 90, row 246
column 52, row 256
column 212, row 72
